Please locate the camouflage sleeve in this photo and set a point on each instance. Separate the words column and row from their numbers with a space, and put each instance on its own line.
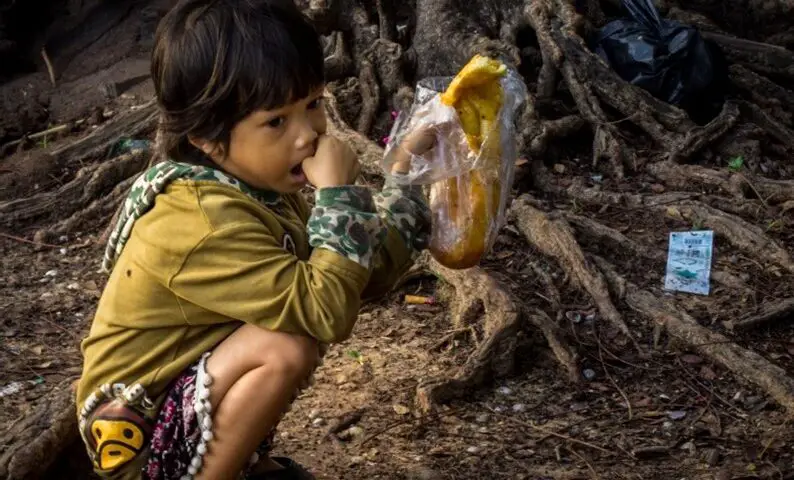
column 404, row 207
column 345, row 220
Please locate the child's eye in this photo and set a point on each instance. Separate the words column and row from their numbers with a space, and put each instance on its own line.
column 315, row 103
column 275, row 122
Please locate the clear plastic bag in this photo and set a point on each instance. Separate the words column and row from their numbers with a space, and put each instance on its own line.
column 469, row 184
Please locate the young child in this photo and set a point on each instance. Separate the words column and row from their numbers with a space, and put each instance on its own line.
column 225, row 285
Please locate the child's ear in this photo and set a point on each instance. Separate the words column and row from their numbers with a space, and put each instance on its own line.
column 211, row 149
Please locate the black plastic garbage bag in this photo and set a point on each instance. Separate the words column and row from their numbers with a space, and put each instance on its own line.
column 670, row 60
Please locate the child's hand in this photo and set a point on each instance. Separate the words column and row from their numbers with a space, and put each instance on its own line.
column 333, row 164
column 418, row 142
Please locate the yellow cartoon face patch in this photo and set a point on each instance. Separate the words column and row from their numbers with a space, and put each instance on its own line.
column 117, row 434
column 118, row 442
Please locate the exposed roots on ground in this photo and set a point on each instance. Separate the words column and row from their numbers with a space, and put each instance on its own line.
column 33, row 443
column 494, row 356
column 768, row 314
column 377, row 51
column 555, row 239
column 746, row 364
column 88, row 185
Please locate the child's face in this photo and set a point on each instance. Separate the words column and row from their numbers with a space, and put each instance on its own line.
column 267, row 147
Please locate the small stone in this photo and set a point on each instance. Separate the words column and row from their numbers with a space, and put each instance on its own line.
column 589, row 374
column 63, row 251
column 483, row 418
column 519, row 407
column 357, row 460
column 499, row 409
column 657, row 188
column 73, row 286
column 504, row 391
column 63, row 238
column 667, row 425
column 318, row 422
column 483, row 430
column 355, row 431
column 559, row 168
column 738, row 396
column 473, row 450
column 690, row 447
column 401, row 409
column 676, row 415
column 51, row 273
column 524, row 453
column 341, row 378
column 314, row 414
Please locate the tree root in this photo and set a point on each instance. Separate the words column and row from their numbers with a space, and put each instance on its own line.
column 338, row 65
column 738, row 185
column 554, row 336
column 494, row 357
column 369, row 154
column 370, row 97
column 90, row 182
column 739, row 233
column 554, row 130
column 746, row 364
column 597, row 231
column 769, row 314
column 96, row 145
column 774, row 128
column 761, row 57
column 764, row 91
column 698, row 137
column 32, row 444
column 99, row 210
column 555, row 239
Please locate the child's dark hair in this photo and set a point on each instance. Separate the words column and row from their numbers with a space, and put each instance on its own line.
column 216, row 61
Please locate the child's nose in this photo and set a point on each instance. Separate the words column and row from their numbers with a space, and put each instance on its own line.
column 307, row 135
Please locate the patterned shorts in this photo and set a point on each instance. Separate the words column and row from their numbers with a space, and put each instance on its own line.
column 183, row 429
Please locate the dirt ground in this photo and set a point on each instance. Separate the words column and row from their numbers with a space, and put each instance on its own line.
column 672, row 416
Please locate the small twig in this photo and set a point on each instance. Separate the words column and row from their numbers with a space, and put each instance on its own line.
column 406, row 421
column 449, row 337
column 589, row 467
column 24, row 240
column 50, row 70
column 71, row 334
column 34, row 136
column 553, row 434
column 709, row 389
column 609, row 376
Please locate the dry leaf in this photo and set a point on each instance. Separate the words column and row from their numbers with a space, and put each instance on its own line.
column 401, row 409
column 521, row 161
column 673, row 212
column 44, row 365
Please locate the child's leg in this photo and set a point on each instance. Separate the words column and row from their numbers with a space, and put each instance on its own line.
column 255, row 374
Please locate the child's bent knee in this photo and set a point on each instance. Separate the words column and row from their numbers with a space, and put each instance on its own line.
column 293, row 356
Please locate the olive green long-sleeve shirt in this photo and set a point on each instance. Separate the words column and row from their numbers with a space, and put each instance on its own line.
column 208, row 258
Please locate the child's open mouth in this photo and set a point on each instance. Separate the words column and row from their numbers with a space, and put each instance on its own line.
column 297, row 173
